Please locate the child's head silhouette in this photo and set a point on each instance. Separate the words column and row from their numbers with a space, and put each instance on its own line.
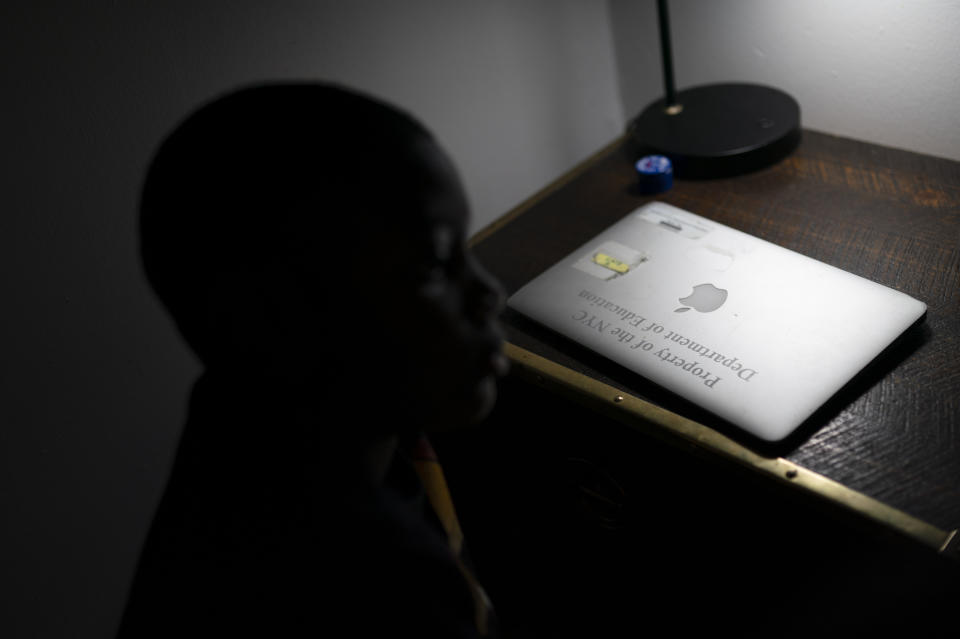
column 311, row 238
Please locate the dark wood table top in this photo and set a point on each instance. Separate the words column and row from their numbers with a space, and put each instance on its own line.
column 888, row 215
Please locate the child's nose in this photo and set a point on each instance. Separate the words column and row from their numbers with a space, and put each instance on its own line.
column 488, row 296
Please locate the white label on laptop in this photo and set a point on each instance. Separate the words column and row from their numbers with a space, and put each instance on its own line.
column 675, row 222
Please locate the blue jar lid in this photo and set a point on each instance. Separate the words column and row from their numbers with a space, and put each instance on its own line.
column 655, row 173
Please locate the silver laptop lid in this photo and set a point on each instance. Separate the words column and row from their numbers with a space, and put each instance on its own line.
column 753, row 332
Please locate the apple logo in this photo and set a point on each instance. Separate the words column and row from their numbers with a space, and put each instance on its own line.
column 706, row 298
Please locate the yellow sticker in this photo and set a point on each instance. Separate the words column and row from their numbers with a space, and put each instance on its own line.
column 613, row 264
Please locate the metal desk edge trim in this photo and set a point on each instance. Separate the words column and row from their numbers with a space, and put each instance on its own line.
column 652, row 419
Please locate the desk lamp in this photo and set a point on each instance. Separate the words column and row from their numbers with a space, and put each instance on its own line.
column 715, row 130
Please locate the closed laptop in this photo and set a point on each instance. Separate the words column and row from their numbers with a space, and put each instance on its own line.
column 755, row 333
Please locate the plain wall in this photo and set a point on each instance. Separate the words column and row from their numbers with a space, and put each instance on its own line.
column 883, row 71
column 94, row 380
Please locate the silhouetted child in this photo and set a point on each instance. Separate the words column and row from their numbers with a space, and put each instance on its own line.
column 309, row 244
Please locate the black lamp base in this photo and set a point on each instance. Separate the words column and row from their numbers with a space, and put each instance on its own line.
column 720, row 130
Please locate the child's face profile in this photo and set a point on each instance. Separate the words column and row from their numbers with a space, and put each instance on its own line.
column 417, row 319
column 450, row 336
column 444, row 335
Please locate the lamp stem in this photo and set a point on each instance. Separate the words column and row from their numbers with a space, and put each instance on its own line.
column 666, row 56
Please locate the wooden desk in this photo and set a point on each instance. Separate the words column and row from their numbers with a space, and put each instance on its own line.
column 888, row 215
column 885, row 451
